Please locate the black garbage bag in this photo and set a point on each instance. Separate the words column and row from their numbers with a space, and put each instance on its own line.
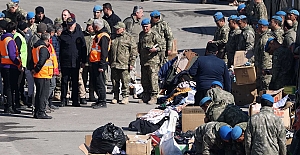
column 105, row 138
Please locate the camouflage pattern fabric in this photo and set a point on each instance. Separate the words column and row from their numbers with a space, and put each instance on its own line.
column 265, row 134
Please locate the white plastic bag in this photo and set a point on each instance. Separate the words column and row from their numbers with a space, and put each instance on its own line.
column 168, row 145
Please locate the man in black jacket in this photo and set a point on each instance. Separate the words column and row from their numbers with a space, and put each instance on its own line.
column 110, row 17
column 101, row 43
column 72, row 56
column 40, row 16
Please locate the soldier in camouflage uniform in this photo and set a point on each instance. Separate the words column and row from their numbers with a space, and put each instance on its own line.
column 221, row 35
column 238, row 136
column 31, row 22
column 122, row 59
column 89, row 35
column 133, row 27
column 213, row 138
column 233, row 39
column 247, row 37
column 14, row 12
column 260, row 11
column 282, row 59
column 263, row 61
column 164, row 30
column 277, row 32
column 282, row 14
column 97, row 11
column 265, row 132
column 217, row 94
column 150, row 47
column 241, row 9
column 289, row 35
column 293, row 16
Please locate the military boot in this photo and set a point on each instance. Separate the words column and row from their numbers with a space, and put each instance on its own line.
column 145, row 98
column 125, row 100
column 153, row 100
column 115, row 100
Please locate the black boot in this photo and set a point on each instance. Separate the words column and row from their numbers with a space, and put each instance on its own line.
column 29, row 102
column 11, row 110
column 83, row 101
column 99, row 105
column 42, row 115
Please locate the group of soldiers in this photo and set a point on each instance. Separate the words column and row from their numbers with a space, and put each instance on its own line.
column 269, row 45
column 78, row 56
column 229, row 130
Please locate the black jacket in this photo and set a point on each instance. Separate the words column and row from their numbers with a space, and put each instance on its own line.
column 103, row 43
column 45, row 20
column 72, row 48
column 43, row 56
column 112, row 20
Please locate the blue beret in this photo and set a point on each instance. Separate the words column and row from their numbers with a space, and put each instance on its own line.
column 295, row 12
column 30, row 15
column 267, row 97
column 205, row 99
column 225, row 132
column 145, row 21
column 236, row 132
column 241, row 6
column 97, row 8
column 154, row 13
column 280, row 13
column 267, row 44
column 2, row 15
column 277, row 18
column 232, row 17
column 15, row 1
column 217, row 83
column 241, row 17
column 218, row 16
column 263, row 22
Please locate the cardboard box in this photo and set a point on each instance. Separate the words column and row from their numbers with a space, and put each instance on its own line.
column 192, row 117
column 244, row 94
column 283, row 114
column 86, row 146
column 277, row 94
column 239, row 58
column 245, row 75
column 138, row 145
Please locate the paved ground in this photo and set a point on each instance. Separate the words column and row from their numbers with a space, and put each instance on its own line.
column 191, row 24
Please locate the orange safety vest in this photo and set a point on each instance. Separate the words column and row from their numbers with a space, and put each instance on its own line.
column 4, row 52
column 47, row 70
column 53, row 55
column 95, row 54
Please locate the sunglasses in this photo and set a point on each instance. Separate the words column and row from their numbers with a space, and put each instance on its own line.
column 155, row 17
column 97, row 12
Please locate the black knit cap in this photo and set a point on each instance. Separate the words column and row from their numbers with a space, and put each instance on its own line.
column 3, row 24
column 22, row 26
column 39, row 9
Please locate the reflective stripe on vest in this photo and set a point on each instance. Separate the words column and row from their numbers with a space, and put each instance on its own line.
column 48, row 68
column 4, row 52
column 95, row 53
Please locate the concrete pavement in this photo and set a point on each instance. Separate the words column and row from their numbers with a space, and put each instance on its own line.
column 191, row 24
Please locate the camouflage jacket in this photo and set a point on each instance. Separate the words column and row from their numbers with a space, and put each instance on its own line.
column 265, row 134
column 164, row 30
column 133, row 26
column 123, row 51
column 282, row 60
column 221, row 36
column 12, row 17
column 295, row 25
column 263, row 60
column 238, row 148
column 208, row 140
column 289, row 38
column 278, row 34
column 89, row 42
column 33, row 28
column 247, row 39
column 147, row 41
column 260, row 12
column 218, row 95
column 232, row 43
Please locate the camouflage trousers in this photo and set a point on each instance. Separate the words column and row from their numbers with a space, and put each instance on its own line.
column 149, row 79
column 263, row 82
column 117, row 76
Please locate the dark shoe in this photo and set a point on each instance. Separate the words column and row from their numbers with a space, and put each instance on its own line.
column 62, row 104
column 42, row 115
column 76, row 105
column 83, row 101
column 98, row 106
column 10, row 110
column 92, row 99
column 54, row 107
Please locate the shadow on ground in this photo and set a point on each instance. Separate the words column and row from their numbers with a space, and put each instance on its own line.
column 208, row 30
